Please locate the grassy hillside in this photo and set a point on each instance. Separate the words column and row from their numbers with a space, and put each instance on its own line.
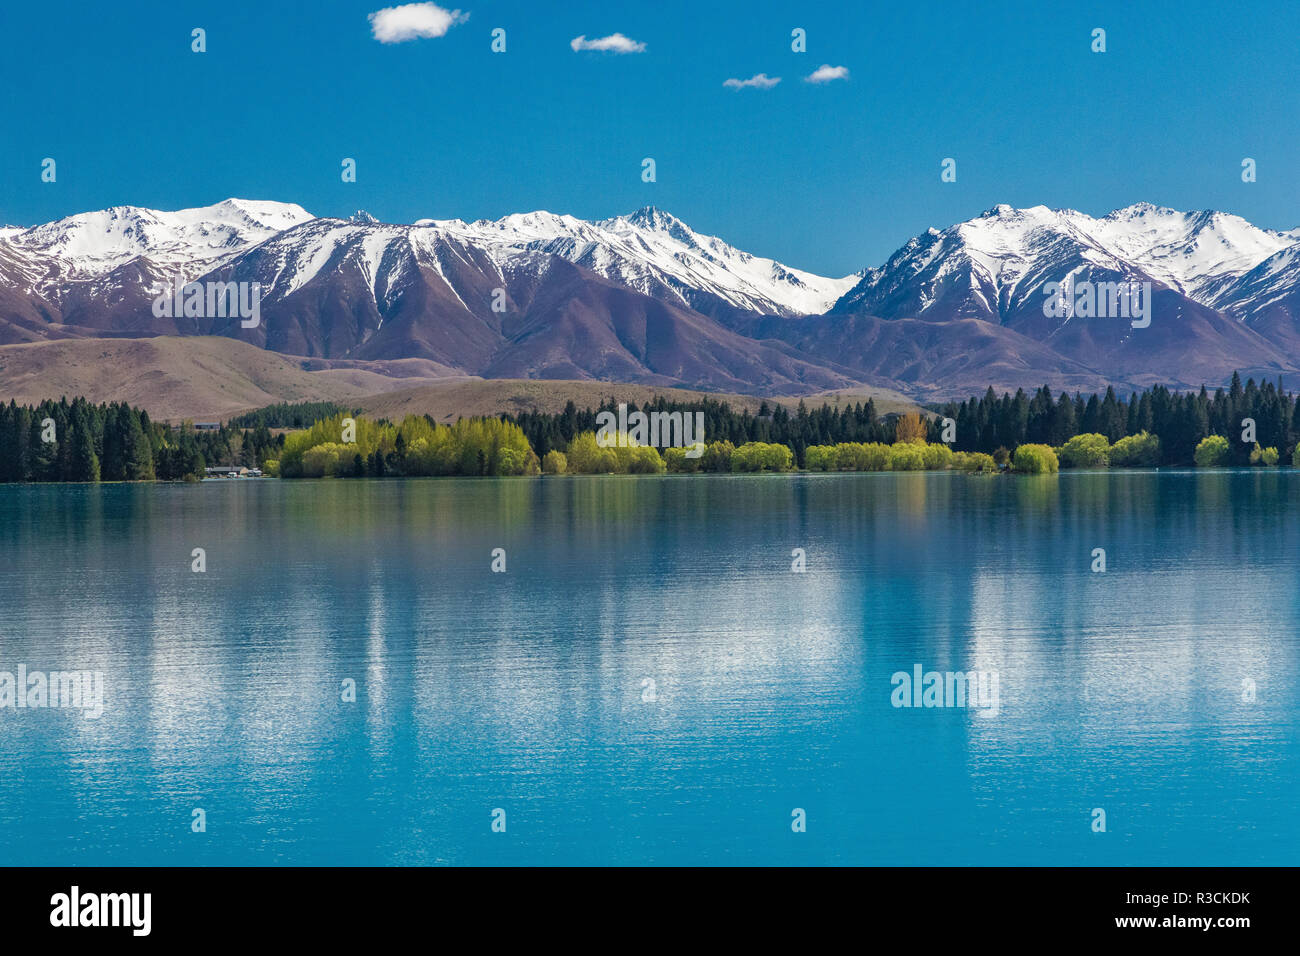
column 215, row 378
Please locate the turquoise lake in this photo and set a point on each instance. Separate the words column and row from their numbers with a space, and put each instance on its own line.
column 649, row 681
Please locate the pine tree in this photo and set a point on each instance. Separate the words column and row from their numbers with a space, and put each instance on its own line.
column 138, row 462
column 83, row 463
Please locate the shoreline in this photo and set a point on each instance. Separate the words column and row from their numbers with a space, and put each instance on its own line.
column 799, row 473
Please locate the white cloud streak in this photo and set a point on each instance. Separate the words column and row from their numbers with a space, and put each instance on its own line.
column 614, row 43
column 413, row 21
column 759, row 81
column 826, row 73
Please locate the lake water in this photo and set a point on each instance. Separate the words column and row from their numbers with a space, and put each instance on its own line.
column 649, row 681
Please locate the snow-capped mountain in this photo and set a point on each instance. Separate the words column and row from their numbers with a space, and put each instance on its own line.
column 93, row 244
column 1272, row 284
column 500, row 308
column 656, row 253
column 645, row 298
column 991, row 266
column 479, row 300
column 1209, row 273
column 650, row 251
column 1192, row 252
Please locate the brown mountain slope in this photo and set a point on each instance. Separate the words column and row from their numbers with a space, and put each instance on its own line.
column 212, row 378
column 448, row 400
column 194, row 377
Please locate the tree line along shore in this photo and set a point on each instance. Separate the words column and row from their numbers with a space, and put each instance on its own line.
column 1243, row 425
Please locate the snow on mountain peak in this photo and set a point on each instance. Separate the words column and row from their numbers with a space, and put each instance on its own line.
column 1007, row 251
column 1197, row 253
column 654, row 252
column 652, row 217
column 91, row 244
column 1140, row 209
column 1189, row 251
column 649, row 250
column 265, row 213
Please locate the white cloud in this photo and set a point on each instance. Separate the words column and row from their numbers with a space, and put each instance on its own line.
column 412, row 21
column 825, row 73
column 614, row 43
column 759, row 81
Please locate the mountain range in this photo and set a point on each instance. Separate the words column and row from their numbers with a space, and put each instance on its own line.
column 645, row 299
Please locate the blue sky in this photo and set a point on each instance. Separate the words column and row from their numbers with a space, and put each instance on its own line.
column 829, row 177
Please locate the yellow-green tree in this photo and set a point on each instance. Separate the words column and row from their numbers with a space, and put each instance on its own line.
column 906, row 456
column 1035, row 460
column 1211, row 451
